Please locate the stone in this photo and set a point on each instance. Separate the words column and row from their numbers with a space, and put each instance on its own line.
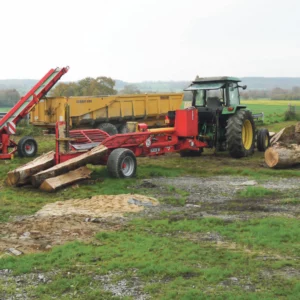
column 245, row 183
column 14, row 251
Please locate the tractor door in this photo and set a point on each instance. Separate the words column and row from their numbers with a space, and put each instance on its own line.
column 233, row 94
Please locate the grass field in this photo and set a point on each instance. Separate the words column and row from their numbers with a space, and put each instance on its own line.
column 273, row 110
column 245, row 248
column 4, row 109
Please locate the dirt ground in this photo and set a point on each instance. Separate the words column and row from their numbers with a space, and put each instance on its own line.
column 63, row 221
column 79, row 219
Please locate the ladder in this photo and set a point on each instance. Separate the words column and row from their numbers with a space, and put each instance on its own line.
column 25, row 104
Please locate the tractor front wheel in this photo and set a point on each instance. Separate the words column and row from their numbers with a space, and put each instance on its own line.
column 121, row 163
column 263, row 140
column 240, row 133
column 27, row 147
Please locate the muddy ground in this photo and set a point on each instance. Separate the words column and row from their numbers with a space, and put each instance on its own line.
column 218, row 196
column 79, row 219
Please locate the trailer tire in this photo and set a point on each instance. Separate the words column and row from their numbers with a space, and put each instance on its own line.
column 190, row 153
column 123, row 129
column 240, row 134
column 263, row 139
column 121, row 163
column 109, row 128
column 27, row 147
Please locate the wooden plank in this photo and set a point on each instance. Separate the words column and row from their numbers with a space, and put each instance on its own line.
column 21, row 175
column 91, row 157
column 54, row 183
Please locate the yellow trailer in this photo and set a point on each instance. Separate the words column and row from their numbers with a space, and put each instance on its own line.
column 109, row 113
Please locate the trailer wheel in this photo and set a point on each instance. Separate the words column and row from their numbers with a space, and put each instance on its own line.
column 121, row 163
column 27, row 147
column 109, row 128
column 190, row 153
column 263, row 140
column 123, row 129
column 240, row 134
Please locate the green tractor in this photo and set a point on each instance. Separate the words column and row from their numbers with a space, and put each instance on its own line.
column 224, row 123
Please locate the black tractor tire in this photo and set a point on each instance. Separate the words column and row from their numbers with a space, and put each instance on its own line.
column 123, row 129
column 121, row 163
column 263, row 140
column 189, row 153
column 27, row 147
column 240, row 134
column 109, row 128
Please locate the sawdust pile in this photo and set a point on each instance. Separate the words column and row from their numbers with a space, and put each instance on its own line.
column 98, row 206
column 65, row 221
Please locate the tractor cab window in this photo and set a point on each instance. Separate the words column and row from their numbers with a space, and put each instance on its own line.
column 199, row 98
column 234, row 96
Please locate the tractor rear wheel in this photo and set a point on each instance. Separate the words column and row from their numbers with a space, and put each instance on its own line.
column 263, row 140
column 240, row 133
column 189, row 153
column 109, row 128
column 27, row 147
column 121, row 163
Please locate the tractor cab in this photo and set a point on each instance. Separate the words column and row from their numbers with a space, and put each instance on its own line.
column 216, row 93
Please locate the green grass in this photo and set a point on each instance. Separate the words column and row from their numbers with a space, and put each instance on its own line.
column 256, row 191
column 4, row 109
column 273, row 110
column 169, row 264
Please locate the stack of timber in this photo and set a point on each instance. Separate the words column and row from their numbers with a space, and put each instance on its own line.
column 21, row 175
column 43, row 173
column 285, row 148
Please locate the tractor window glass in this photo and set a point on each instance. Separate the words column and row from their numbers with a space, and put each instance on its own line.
column 234, row 96
column 199, row 98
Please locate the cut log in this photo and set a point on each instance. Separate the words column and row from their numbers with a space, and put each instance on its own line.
column 91, row 157
column 52, row 184
column 21, row 175
column 281, row 156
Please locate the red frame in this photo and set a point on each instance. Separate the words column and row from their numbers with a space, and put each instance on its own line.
column 5, row 142
column 147, row 143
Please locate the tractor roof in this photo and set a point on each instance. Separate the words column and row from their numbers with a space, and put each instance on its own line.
column 216, row 79
column 211, row 83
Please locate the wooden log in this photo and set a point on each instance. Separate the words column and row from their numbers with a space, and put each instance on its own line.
column 52, row 184
column 284, row 135
column 282, row 156
column 90, row 157
column 21, row 175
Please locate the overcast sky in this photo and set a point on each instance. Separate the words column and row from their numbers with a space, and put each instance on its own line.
column 137, row 40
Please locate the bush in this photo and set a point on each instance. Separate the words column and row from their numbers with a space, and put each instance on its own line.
column 291, row 116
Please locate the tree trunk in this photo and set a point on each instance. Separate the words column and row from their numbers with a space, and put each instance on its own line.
column 282, row 156
column 52, row 184
column 21, row 175
column 92, row 156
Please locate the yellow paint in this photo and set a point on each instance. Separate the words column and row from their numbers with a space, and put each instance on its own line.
column 247, row 134
column 162, row 130
column 146, row 108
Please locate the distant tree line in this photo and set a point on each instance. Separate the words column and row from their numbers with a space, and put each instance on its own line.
column 274, row 94
column 9, row 97
column 86, row 87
